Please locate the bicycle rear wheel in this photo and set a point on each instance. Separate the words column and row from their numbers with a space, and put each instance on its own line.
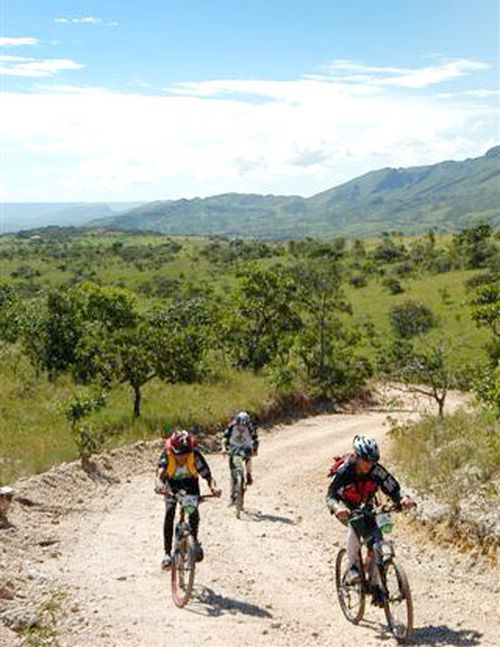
column 351, row 596
column 399, row 607
column 183, row 571
column 239, row 492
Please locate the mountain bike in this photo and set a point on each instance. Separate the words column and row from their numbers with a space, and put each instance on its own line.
column 185, row 551
column 238, row 486
column 395, row 590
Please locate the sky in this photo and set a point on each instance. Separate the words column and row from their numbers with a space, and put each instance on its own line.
column 165, row 99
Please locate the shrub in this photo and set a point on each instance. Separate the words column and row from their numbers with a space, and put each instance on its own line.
column 411, row 318
column 358, row 281
column 392, row 285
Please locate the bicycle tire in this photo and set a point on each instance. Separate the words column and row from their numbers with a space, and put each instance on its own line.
column 183, row 571
column 401, row 631
column 239, row 494
column 351, row 597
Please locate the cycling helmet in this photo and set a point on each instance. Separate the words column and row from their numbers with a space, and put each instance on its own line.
column 365, row 447
column 242, row 418
column 181, row 442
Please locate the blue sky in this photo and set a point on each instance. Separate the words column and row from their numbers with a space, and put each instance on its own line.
column 167, row 99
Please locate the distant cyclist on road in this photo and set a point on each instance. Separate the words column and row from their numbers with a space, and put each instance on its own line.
column 241, row 438
column 356, row 478
column 179, row 468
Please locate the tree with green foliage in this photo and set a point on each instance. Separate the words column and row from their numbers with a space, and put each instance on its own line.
column 168, row 344
column 88, row 438
column 411, row 318
column 475, row 245
column 486, row 386
column 423, row 368
column 325, row 344
column 69, row 330
column 486, row 312
column 10, row 306
column 112, row 307
column 392, row 285
column 262, row 316
column 135, row 353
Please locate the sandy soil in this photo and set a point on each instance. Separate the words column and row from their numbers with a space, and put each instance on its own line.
column 267, row 579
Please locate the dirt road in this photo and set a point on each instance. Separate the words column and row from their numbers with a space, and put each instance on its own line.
column 267, row 579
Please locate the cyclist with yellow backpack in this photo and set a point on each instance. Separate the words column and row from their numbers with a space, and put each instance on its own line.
column 179, row 468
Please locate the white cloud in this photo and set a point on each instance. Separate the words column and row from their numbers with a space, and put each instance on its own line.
column 420, row 77
column 29, row 67
column 84, row 20
column 295, row 137
column 6, row 41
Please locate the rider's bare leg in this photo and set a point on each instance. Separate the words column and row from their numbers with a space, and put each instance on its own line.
column 352, row 548
column 248, row 462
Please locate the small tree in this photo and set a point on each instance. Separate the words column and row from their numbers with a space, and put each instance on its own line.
column 392, row 285
column 486, row 312
column 87, row 437
column 486, row 386
column 426, row 369
column 325, row 344
column 474, row 245
column 411, row 318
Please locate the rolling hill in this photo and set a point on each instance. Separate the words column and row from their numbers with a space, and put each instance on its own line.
column 444, row 196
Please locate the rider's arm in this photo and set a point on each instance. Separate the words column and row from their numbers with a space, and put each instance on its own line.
column 160, row 472
column 203, row 468
column 339, row 481
column 162, row 466
column 226, row 438
column 387, row 483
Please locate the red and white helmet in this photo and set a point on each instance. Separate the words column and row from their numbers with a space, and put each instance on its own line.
column 181, row 442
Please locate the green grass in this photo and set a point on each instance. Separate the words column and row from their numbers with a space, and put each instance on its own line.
column 452, row 457
column 35, row 435
column 445, row 294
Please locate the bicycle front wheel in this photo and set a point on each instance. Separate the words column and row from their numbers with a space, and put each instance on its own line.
column 183, row 571
column 351, row 596
column 399, row 607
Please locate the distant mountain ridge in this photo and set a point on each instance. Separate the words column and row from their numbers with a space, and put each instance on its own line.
column 444, row 196
column 15, row 216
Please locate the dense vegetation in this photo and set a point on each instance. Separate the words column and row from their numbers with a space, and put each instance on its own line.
column 105, row 336
column 442, row 196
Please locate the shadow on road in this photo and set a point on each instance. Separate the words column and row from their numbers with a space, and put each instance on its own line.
column 443, row 635
column 256, row 515
column 208, row 602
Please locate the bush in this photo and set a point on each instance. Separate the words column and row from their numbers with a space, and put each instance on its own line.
column 487, row 388
column 392, row 285
column 358, row 281
column 411, row 318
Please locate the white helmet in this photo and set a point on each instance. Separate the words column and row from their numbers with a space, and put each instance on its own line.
column 242, row 418
column 365, row 447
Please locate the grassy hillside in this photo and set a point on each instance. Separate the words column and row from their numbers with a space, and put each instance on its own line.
column 443, row 196
column 160, row 270
column 35, row 434
column 446, row 295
